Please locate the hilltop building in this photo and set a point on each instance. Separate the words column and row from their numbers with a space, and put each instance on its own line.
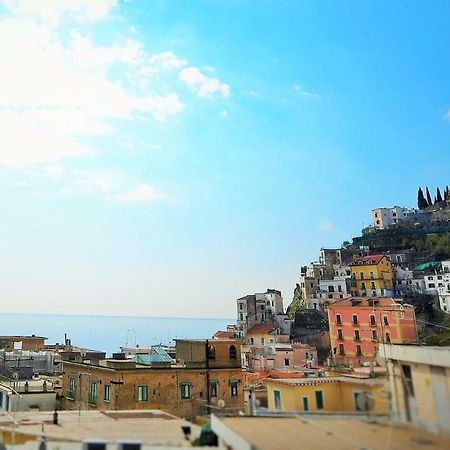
column 359, row 324
column 372, row 275
column 383, row 218
column 261, row 308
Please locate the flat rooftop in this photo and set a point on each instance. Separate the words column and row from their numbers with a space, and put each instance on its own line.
column 151, row 427
column 323, row 432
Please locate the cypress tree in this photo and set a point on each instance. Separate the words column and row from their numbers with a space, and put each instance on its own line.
column 447, row 194
column 421, row 202
column 438, row 195
column 429, row 201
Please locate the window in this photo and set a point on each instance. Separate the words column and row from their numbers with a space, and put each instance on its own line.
column 211, row 352
column 388, row 337
column 355, row 319
column 234, row 387
column 340, row 334
column 385, row 321
column 358, row 350
column 233, row 352
column 408, row 379
column 371, row 276
column 72, row 388
column 338, row 319
column 93, row 393
column 277, row 399
column 372, row 321
column 361, row 275
column 305, row 404
column 372, row 285
column 319, row 399
column 339, row 288
column 213, row 388
column 240, row 306
column 374, row 335
column 341, row 349
column 286, row 361
column 107, row 393
column 251, row 340
column 431, row 285
column 142, row 394
column 357, row 336
column 363, row 285
column 262, row 341
column 185, row 390
column 241, row 316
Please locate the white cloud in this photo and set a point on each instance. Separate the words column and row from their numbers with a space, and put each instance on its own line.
column 51, row 11
column 47, row 112
column 203, row 85
column 298, row 89
column 141, row 193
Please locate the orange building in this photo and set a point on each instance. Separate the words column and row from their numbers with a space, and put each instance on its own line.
column 359, row 324
column 372, row 276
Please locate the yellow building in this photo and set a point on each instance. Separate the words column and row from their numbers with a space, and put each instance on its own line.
column 372, row 276
column 420, row 385
column 328, row 394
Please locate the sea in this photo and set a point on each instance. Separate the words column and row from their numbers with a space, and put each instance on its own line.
column 109, row 333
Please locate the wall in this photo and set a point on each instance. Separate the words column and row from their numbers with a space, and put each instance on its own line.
column 164, row 388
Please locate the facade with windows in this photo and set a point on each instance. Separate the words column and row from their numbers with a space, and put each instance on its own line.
column 327, row 394
column 420, row 386
column 359, row 324
column 383, row 218
column 205, row 372
column 372, row 276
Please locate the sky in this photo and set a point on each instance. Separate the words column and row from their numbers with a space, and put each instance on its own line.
column 164, row 158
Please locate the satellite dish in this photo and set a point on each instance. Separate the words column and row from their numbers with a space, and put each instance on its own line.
column 221, row 403
column 364, row 401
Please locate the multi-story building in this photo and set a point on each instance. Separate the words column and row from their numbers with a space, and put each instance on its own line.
column 434, row 281
column 206, row 371
column 281, row 357
column 359, row 324
column 372, row 276
column 385, row 217
column 259, row 308
column 327, row 395
column 420, row 388
column 31, row 343
column 444, row 296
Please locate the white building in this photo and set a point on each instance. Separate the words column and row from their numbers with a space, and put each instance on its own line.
column 444, row 296
column 434, row 282
column 266, row 307
column 385, row 217
column 403, row 280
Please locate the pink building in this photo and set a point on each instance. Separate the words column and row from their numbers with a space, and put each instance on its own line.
column 359, row 324
column 280, row 357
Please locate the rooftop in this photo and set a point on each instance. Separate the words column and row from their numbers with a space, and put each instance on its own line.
column 262, row 328
column 368, row 302
column 151, row 427
column 322, row 380
column 341, row 432
column 371, row 260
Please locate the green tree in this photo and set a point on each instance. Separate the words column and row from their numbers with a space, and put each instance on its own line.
column 421, row 201
column 429, row 201
column 438, row 195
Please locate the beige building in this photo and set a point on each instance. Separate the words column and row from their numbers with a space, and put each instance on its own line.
column 207, row 375
column 420, row 385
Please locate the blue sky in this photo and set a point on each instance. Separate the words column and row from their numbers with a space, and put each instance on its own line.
column 166, row 157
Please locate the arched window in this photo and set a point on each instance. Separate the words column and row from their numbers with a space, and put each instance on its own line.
column 388, row 338
column 211, row 352
column 233, row 352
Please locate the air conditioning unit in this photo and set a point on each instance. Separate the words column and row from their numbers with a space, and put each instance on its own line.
column 129, row 445
column 94, row 444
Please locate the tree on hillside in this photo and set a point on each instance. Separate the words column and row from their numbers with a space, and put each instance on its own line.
column 429, row 201
column 421, row 201
column 438, row 195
